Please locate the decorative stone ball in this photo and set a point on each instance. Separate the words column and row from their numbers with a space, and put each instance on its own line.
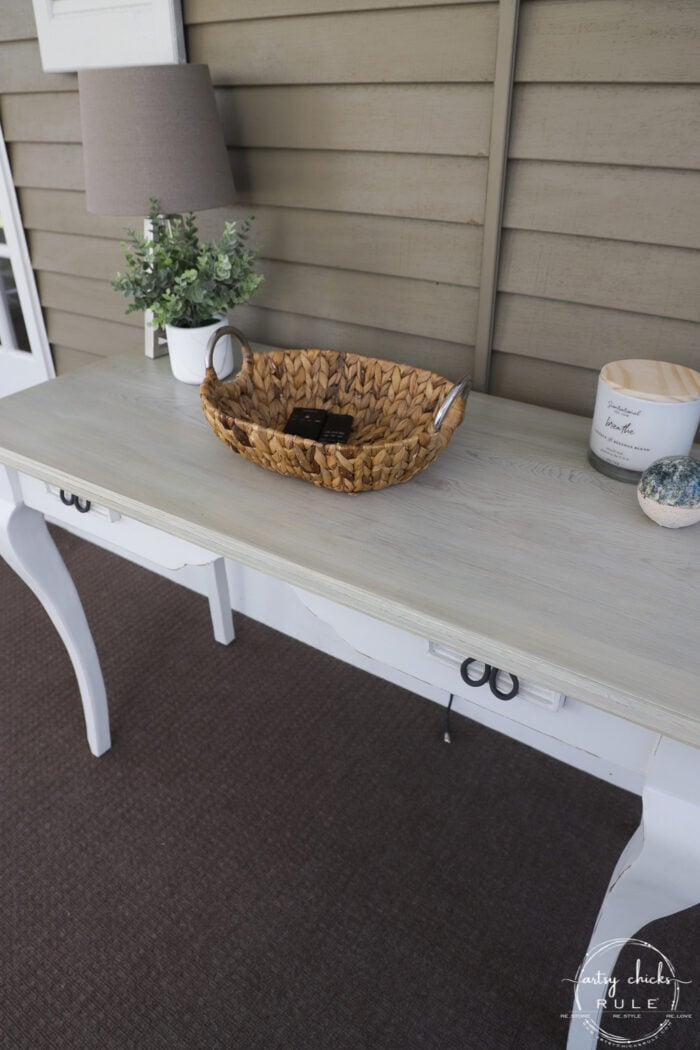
column 669, row 491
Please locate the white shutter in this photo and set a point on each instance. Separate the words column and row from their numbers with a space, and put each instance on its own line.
column 87, row 34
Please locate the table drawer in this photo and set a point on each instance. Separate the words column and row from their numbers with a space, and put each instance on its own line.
column 101, row 524
column 594, row 740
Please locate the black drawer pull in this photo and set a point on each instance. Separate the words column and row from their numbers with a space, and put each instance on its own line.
column 69, row 500
column 501, row 694
column 464, row 671
column 490, row 675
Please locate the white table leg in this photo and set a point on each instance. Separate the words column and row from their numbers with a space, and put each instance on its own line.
column 220, row 602
column 658, row 873
column 27, row 547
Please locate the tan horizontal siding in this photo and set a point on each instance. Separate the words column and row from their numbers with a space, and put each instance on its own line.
column 564, row 387
column 64, row 211
column 85, row 295
column 42, row 117
column 651, row 125
column 20, row 70
column 403, row 45
column 92, row 335
column 428, row 251
column 602, row 211
column 66, row 359
column 609, row 41
column 369, row 195
column 81, row 256
column 16, row 21
column 281, row 329
column 640, row 278
column 223, row 11
column 404, row 118
column 631, row 204
column 398, row 118
column 450, row 189
column 445, row 312
column 570, row 334
column 360, row 134
column 47, row 165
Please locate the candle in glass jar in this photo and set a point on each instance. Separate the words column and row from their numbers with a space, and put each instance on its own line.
column 644, row 410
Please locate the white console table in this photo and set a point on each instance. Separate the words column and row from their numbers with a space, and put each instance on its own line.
column 510, row 549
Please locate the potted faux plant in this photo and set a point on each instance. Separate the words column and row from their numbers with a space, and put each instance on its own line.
column 188, row 285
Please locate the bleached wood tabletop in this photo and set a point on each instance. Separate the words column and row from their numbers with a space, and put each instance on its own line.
column 510, row 548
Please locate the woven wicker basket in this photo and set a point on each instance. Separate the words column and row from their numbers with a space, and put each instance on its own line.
column 403, row 417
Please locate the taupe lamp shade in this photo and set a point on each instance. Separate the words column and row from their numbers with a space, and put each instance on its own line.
column 152, row 131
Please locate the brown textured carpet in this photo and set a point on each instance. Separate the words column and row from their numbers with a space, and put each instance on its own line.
column 279, row 851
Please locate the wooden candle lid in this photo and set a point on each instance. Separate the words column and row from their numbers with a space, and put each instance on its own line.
column 652, row 380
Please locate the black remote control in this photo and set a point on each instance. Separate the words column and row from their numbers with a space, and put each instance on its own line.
column 336, row 429
column 306, row 422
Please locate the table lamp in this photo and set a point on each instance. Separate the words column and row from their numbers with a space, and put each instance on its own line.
column 152, row 131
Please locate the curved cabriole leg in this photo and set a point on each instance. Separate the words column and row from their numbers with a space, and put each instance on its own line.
column 658, row 873
column 27, row 547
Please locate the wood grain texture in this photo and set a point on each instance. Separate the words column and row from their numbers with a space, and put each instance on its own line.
column 609, row 41
column 438, row 311
column 636, row 277
column 571, row 334
column 222, row 11
column 450, row 189
column 409, row 45
column 654, row 380
column 402, row 118
column 542, row 577
column 652, row 125
column 286, row 330
column 627, row 204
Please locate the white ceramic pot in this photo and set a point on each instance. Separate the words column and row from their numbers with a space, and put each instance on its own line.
column 188, row 347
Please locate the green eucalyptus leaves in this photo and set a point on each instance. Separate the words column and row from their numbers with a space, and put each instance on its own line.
column 184, row 282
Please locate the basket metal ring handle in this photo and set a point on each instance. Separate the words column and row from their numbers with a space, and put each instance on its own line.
column 460, row 389
column 227, row 329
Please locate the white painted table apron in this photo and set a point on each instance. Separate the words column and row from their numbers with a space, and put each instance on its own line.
column 521, row 592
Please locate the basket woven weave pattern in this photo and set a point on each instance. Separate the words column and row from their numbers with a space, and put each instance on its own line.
column 393, row 406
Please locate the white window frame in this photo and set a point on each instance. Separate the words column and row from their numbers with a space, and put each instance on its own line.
column 20, row 368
